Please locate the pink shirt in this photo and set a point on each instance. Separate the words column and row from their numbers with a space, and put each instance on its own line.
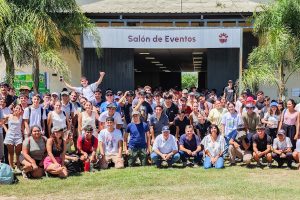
column 290, row 118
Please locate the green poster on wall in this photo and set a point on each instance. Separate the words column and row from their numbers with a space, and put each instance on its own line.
column 24, row 79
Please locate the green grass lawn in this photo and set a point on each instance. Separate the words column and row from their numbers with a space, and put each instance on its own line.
column 152, row 183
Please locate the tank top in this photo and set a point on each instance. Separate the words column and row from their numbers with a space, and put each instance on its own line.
column 58, row 120
column 15, row 126
column 195, row 118
column 290, row 118
column 89, row 120
column 55, row 151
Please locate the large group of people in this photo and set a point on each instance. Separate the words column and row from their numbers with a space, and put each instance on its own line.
column 40, row 133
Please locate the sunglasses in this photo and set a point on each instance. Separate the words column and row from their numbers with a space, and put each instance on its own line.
column 249, row 108
column 108, row 95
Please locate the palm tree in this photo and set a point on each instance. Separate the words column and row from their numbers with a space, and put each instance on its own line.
column 278, row 55
column 39, row 30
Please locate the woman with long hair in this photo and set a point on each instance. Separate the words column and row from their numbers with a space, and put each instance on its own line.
column 214, row 146
column 14, row 136
column 290, row 121
column 88, row 117
column 56, row 149
column 271, row 120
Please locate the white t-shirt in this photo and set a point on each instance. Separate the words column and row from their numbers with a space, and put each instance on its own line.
column 67, row 109
column 165, row 146
column 88, row 91
column 117, row 118
column 274, row 119
column 6, row 111
column 214, row 148
column 297, row 107
column 35, row 116
column 230, row 121
column 286, row 143
column 110, row 140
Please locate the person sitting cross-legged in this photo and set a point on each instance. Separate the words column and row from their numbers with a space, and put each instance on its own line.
column 87, row 145
column 282, row 149
column 190, row 146
column 165, row 148
column 110, row 145
column 261, row 146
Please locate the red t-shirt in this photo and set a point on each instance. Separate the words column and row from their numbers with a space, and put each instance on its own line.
column 87, row 146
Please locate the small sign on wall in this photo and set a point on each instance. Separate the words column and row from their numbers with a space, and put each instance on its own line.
column 295, row 92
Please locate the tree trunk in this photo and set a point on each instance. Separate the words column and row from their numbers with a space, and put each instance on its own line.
column 35, row 75
column 281, row 82
column 10, row 68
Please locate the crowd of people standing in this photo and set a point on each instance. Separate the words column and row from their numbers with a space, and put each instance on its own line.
column 40, row 133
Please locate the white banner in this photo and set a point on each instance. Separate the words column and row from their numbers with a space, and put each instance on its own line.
column 166, row 38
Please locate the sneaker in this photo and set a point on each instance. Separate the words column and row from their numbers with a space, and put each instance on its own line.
column 184, row 164
column 17, row 171
column 269, row 165
column 259, row 164
column 164, row 163
column 195, row 165
column 232, row 164
column 24, row 174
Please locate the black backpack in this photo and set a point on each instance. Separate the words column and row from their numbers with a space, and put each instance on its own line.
column 74, row 167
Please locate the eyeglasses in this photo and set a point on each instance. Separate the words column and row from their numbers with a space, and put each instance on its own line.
column 109, row 95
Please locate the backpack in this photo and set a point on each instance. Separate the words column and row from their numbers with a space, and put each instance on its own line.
column 74, row 167
column 7, row 175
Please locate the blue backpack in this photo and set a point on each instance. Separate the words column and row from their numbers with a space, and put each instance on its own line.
column 6, row 174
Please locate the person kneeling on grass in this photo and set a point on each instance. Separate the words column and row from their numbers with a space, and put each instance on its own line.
column 239, row 146
column 282, row 149
column 56, row 149
column 214, row 146
column 87, row 145
column 190, row 146
column 165, row 148
column 33, row 152
column 261, row 146
column 110, row 145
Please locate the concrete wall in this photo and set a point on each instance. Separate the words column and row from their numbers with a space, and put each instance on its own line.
column 55, row 85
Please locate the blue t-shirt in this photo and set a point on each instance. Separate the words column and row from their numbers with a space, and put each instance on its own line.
column 190, row 144
column 104, row 104
column 137, row 135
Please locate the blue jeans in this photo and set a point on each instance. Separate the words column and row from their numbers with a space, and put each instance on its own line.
column 184, row 156
column 219, row 164
column 227, row 139
column 157, row 159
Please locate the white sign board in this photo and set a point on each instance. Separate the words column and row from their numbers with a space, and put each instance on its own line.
column 160, row 38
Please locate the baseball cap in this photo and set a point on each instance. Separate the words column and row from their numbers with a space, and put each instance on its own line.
column 111, row 105
column 108, row 92
column 56, row 129
column 88, row 128
column 135, row 112
column 130, row 93
column 281, row 132
column 64, row 93
column 185, row 91
column 54, row 93
column 142, row 92
column 24, row 87
column 165, row 129
column 250, row 105
column 274, row 104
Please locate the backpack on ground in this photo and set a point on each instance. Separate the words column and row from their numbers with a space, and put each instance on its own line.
column 7, row 175
column 74, row 167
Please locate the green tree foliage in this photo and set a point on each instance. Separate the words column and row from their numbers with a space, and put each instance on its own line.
column 278, row 55
column 189, row 80
column 38, row 30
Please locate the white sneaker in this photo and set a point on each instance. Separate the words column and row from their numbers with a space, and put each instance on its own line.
column 24, row 174
column 17, row 171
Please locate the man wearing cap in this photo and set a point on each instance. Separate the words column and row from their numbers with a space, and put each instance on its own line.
column 87, row 145
column 109, row 98
column 86, row 90
column 66, row 106
column 4, row 94
column 190, row 146
column 229, row 92
column 251, row 120
column 110, row 145
column 111, row 112
column 165, row 148
column 34, row 115
column 262, row 146
column 282, row 149
column 139, row 142
column 239, row 146
column 184, row 93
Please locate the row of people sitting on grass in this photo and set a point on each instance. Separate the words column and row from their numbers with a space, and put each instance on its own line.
column 40, row 154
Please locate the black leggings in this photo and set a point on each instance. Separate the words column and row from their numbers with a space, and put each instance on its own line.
column 290, row 131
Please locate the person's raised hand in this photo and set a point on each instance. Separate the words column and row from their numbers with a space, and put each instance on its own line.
column 102, row 73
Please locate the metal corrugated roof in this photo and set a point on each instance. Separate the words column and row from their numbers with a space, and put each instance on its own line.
column 170, row 6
